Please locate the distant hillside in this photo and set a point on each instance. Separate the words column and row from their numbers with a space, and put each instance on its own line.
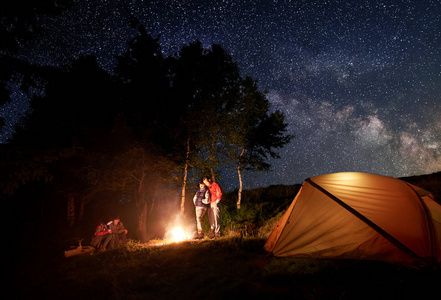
column 271, row 193
column 429, row 182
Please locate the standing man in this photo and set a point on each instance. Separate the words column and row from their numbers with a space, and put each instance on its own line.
column 214, row 215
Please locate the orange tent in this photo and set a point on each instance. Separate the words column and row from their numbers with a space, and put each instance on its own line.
column 359, row 216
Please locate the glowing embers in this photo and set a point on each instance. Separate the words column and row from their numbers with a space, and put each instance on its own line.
column 179, row 229
column 178, row 235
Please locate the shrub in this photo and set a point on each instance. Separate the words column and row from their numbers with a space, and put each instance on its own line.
column 260, row 209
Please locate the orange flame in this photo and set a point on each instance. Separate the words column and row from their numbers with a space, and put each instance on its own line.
column 178, row 234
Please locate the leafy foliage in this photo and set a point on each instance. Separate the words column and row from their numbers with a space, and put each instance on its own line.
column 261, row 209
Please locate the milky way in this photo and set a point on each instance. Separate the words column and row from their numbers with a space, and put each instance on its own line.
column 358, row 81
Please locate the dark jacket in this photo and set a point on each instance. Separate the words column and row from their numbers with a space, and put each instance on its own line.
column 202, row 198
column 118, row 228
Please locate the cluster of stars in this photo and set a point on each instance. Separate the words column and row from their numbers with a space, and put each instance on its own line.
column 358, row 82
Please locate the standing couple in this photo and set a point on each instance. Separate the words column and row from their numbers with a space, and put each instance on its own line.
column 208, row 197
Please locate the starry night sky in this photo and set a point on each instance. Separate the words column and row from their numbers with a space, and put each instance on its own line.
column 358, row 81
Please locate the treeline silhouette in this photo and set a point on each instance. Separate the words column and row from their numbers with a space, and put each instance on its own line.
column 96, row 143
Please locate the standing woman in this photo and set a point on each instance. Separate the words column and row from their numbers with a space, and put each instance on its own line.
column 214, row 215
column 201, row 201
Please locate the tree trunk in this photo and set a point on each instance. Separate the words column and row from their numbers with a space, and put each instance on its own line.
column 184, row 183
column 81, row 209
column 152, row 206
column 212, row 174
column 71, row 211
column 142, row 221
column 212, row 156
column 141, row 211
column 239, row 193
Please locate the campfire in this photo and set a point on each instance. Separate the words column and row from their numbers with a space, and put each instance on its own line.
column 178, row 232
column 178, row 235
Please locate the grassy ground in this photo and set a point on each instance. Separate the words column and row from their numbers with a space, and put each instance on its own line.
column 228, row 267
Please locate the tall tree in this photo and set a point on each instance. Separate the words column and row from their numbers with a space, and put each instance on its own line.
column 77, row 97
column 185, row 75
column 150, row 160
column 142, row 71
column 77, row 105
column 204, row 83
column 254, row 132
column 136, row 171
column 223, row 81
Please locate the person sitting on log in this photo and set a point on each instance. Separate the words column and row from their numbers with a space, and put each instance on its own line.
column 119, row 233
column 102, row 237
